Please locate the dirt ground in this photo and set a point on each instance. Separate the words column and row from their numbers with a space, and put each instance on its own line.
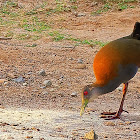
column 32, row 112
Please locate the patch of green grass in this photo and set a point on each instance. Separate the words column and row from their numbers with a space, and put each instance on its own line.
column 32, row 46
column 105, row 8
column 118, row 1
column 35, row 25
column 23, row 36
column 9, row 34
column 115, row 4
column 35, row 10
column 59, row 37
column 122, row 6
column 11, row 4
column 73, row 1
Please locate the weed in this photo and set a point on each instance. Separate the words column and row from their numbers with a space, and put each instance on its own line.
column 23, row 36
column 9, row 34
column 73, row 1
column 57, row 36
column 33, row 45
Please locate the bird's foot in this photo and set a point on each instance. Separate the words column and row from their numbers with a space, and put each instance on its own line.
column 112, row 115
column 108, row 113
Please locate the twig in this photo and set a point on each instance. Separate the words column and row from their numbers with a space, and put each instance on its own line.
column 5, row 38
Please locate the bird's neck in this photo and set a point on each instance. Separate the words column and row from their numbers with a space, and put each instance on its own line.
column 98, row 89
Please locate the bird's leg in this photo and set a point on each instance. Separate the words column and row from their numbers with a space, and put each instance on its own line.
column 117, row 114
column 125, row 87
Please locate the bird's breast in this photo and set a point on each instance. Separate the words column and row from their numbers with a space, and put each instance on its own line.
column 112, row 57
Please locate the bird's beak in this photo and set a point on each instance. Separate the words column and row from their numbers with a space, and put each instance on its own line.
column 84, row 104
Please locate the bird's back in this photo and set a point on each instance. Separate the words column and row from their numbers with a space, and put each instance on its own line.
column 111, row 56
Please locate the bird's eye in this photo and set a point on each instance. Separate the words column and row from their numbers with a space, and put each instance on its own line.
column 85, row 93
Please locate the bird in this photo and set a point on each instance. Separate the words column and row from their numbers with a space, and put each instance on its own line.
column 114, row 64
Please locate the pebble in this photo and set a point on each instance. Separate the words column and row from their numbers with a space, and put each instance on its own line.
column 43, row 87
column 74, row 94
column 61, row 94
column 80, row 61
column 80, row 14
column 119, row 88
column 94, row 4
column 24, row 84
column 2, row 81
column 29, row 73
column 45, row 93
column 10, row 75
column 81, row 66
column 71, row 58
column 47, row 83
column 109, row 123
column 6, row 83
column 19, row 79
column 42, row 72
column 29, row 137
column 52, row 89
column 10, row 137
column 90, row 135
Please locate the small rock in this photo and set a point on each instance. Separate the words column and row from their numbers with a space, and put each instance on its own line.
column 62, row 77
column 105, row 137
column 11, row 75
column 121, row 123
column 35, row 90
column 71, row 58
column 19, row 79
column 80, row 61
column 29, row 137
column 94, row 4
column 29, row 73
column 90, row 135
column 109, row 123
column 74, row 94
column 119, row 88
column 6, row 83
column 80, row 14
column 2, row 81
column 52, row 89
column 90, row 110
column 42, row 72
column 43, row 87
column 24, row 84
column 41, row 139
column 45, row 93
column 4, row 130
column 36, row 129
column 10, row 137
column 128, row 123
column 61, row 94
column 47, row 83
column 81, row 66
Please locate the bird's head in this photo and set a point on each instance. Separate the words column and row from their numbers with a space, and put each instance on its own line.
column 88, row 94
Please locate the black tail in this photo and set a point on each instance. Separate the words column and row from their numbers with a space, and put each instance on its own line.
column 136, row 31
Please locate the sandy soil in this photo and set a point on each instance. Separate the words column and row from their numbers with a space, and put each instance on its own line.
column 31, row 112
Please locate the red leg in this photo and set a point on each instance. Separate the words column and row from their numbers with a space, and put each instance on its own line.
column 117, row 114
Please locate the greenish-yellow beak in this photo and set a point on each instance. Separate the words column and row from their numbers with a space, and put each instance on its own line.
column 84, row 104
